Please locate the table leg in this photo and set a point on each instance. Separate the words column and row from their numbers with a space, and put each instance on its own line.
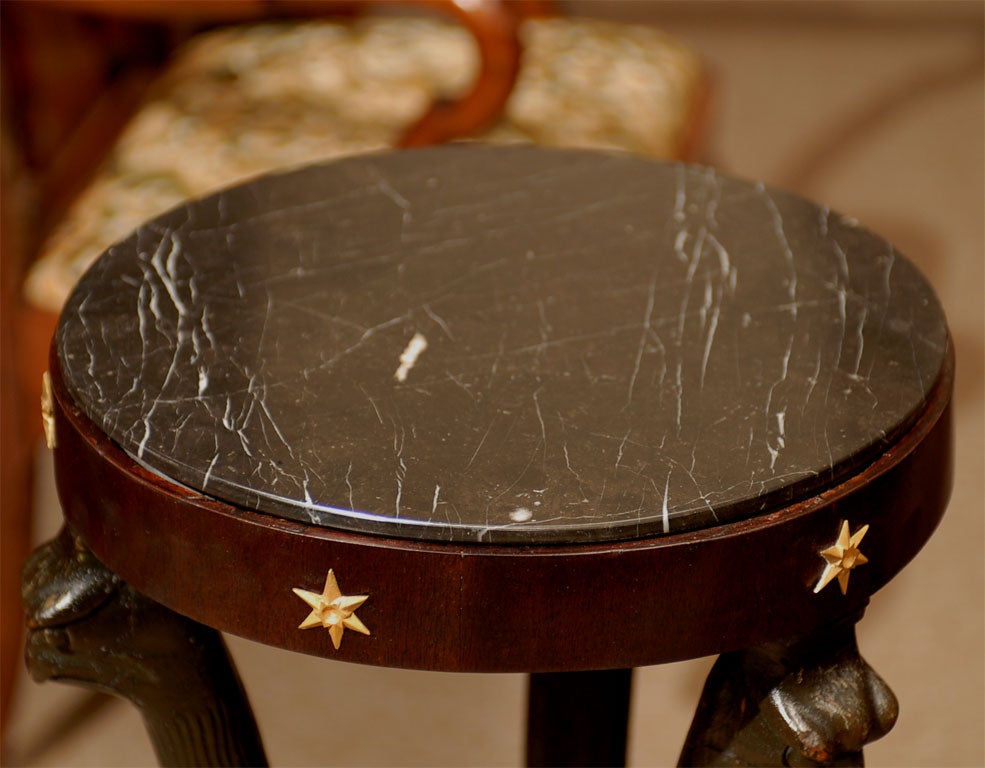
column 811, row 701
column 578, row 718
column 87, row 626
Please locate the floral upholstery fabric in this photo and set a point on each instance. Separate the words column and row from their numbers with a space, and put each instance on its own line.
column 242, row 101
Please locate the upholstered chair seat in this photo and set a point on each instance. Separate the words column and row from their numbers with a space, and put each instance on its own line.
column 241, row 101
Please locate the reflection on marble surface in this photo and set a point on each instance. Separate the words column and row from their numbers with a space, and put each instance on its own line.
column 503, row 345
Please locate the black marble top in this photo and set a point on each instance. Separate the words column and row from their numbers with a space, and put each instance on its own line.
column 503, row 345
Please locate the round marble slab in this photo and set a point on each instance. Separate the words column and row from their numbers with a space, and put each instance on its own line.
column 503, row 345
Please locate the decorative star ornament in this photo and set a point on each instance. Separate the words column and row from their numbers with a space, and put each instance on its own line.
column 48, row 411
column 842, row 558
column 332, row 610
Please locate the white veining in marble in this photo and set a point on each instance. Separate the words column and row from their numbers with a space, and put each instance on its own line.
column 503, row 345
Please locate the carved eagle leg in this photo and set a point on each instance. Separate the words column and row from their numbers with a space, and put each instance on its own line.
column 86, row 626
column 810, row 701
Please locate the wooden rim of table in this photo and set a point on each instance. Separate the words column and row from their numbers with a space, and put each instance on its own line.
column 473, row 607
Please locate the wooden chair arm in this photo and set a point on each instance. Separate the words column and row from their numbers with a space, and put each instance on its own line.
column 494, row 25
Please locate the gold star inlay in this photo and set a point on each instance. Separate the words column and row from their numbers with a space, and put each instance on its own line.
column 332, row 610
column 842, row 558
column 48, row 411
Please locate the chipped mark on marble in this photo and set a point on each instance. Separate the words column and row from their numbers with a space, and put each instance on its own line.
column 521, row 515
column 408, row 358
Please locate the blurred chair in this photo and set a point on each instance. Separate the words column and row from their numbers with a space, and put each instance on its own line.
column 194, row 106
column 241, row 101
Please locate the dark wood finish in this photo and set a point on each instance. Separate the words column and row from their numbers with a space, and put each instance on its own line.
column 578, row 718
column 809, row 701
column 88, row 627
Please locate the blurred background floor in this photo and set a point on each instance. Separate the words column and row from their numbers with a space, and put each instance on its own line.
column 876, row 109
